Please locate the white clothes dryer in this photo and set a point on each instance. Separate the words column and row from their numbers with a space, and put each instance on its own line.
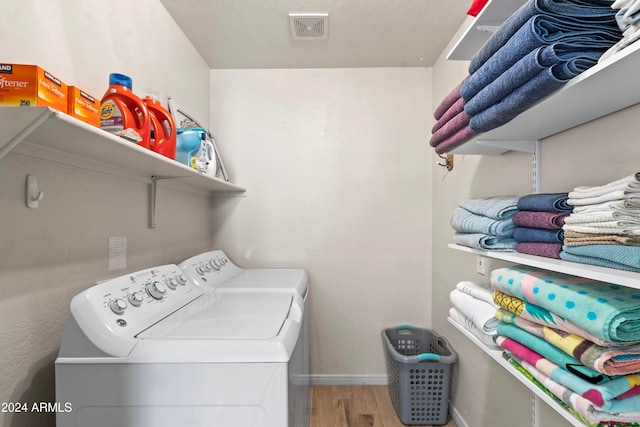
column 154, row 349
column 213, row 270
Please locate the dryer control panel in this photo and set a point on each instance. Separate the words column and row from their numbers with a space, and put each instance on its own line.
column 112, row 313
column 210, row 269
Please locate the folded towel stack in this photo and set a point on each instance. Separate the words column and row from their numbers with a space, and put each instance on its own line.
column 604, row 227
column 578, row 337
column 485, row 223
column 539, row 223
column 628, row 19
column 474, row 309
column 535, row 52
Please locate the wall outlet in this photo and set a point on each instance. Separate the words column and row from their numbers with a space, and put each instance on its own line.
column 480, row 264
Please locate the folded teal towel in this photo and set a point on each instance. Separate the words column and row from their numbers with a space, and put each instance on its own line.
column 464, row 221
column 485, row 242
column 622, row 257
column 608, row 311
column 496, row 207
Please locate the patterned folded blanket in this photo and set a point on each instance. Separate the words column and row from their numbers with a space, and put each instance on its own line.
column 604, row 396
column 607, row 360
column 608, row 311
column 576, row 404
column 556, row 356
column 539, row 315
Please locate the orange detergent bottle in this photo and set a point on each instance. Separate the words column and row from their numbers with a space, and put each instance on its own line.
column 163, row 128
column 123, row 113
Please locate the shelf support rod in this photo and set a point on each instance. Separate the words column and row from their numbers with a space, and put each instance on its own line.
column 17, row 138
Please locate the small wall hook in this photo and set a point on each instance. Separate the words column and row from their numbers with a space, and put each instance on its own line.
column 448, row 161
column 33, row 193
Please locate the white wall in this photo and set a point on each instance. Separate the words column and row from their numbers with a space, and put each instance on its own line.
column 49, row 254
column 338, row 176
column 484, row 394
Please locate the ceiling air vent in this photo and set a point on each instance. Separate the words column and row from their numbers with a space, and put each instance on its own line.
column 309, row 26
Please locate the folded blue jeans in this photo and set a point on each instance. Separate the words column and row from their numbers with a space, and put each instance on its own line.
column 594, row 12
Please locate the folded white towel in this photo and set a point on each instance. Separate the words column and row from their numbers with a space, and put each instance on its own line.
column 607, row 197
column 629, row 183
column 481, row 291
column 480, row 312
column 603, row 228
column 621, row 219
column 630, row 206
column 465, row 322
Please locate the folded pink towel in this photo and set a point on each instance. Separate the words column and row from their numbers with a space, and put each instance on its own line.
column 548, row 250
column 448, row 101
column 456, row 108
column 546, row 220
column 450, row 128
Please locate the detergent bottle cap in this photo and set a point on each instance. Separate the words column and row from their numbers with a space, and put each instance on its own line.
column 120, row 79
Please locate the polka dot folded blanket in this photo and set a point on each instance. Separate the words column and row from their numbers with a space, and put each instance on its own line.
column 606, row 310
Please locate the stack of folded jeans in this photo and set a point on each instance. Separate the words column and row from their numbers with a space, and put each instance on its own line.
column 535, row 52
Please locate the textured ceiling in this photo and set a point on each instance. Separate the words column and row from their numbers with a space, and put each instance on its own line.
column 362, row 33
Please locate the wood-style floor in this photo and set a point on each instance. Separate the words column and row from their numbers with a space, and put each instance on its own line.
column 354, row 406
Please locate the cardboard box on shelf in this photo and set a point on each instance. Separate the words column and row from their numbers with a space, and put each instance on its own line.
column 83, row 106
column 30, row 85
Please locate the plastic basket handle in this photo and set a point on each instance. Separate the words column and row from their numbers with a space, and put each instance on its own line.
column 428, row 356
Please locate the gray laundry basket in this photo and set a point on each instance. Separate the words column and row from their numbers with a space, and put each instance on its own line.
column 419, row 368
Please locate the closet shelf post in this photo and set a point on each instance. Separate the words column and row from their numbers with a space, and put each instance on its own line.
column 534, row 147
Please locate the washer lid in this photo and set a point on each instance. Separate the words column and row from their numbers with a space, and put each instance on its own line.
column 269, row 278
column 256, row 316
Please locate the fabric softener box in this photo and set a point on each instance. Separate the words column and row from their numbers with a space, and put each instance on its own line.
column 84, row 106
column 30, row 85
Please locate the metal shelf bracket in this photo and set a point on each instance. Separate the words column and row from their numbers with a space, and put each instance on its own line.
column 533, row 147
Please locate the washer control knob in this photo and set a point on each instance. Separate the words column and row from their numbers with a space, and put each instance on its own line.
column 135, row 299
column 156, row 290
column 215, row 265
column 118, row 306
column 182, row 280
column 200, row 270
column 171, row 283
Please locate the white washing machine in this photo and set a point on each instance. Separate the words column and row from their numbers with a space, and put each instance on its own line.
column 154, row 349
column 214, row 270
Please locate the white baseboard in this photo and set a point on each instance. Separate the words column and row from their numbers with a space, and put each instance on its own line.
column 373, row 379
column 457, row 417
